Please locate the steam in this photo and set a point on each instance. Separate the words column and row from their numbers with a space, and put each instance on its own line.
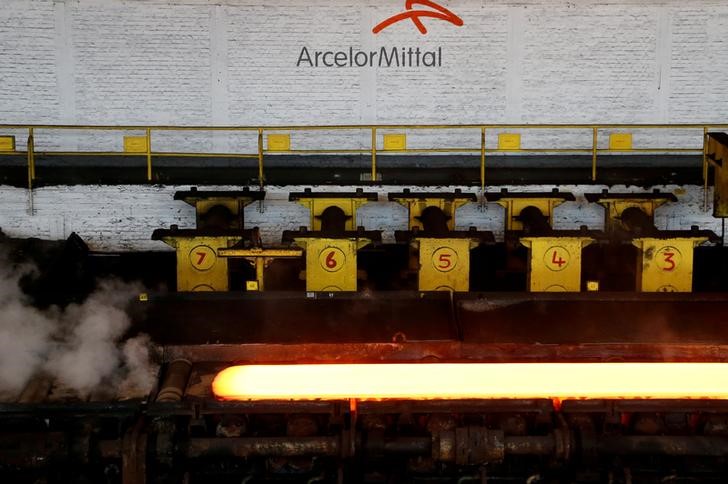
column 79, row 347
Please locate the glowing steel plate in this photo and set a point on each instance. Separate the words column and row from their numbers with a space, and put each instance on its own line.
column 473, row 381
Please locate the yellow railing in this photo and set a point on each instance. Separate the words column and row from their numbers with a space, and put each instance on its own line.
column 592, row 135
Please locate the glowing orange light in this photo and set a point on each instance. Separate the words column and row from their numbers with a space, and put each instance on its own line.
column 473, row 380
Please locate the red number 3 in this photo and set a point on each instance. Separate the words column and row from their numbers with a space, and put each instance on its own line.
column 668, row 259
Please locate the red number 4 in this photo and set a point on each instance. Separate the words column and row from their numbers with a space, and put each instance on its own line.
column 559, row 262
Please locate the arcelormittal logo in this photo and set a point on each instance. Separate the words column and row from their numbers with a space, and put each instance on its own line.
column 438, row 11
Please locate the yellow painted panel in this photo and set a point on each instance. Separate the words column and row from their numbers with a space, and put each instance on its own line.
column 317, row 206
column 592, row 286
column 514, row 207
column 7, row 143
column 509, row 141
column 415, row 207
column 198, row 266
column 555, row 263
column 251, row 285
column 331, row 263
column 135, row 144
column 444, row 264
column 666, row 265
column 620, row 141
column 279, row 142
column 393, row 142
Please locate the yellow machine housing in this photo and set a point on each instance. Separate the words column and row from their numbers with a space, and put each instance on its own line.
column 440, row 255
column 260, row 258
column 331, row 262
column 318, row 202
column 716, row 154
column 666, row 264
column 331, row 254
column 444, row 263
column 665, row 258
column 514, row 203
column 198, row 266
column 555, row 262
column 233, row 201
column 416, row 203
column 616, row 203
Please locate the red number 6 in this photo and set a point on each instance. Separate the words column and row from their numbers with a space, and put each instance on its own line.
column 330, row 261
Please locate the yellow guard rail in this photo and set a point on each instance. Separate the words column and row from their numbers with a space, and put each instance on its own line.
column 592, row 134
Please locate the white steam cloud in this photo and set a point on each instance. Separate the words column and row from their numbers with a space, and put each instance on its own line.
column 79, row 347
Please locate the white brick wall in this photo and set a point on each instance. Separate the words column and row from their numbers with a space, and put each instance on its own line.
column 122, row 218
column 233, row 62
column 596, row 63
column 28, row 84
column 141, row 63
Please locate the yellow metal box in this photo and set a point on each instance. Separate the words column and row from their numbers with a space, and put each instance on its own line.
column 555, row 263
column 620, row 141
column 198, row 266
column 592, row 286
column 279, row 142
column 444, row 264
column 666, row 265
column 251, row 286
column 7, row 143
column 317, row 206
column 135, row 144
column 509, row 141
column 395, row 142
column 331, row 263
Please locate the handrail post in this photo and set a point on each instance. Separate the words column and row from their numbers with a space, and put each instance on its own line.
column 149, row 153
column 482, row 159
column 705, row 168
column 260, row 157
column 31, row 170
column 594, row 154
column 374, row 154
column 31, row 157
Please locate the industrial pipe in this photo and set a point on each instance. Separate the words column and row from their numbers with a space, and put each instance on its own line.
column 264, row 446
column 712, row 446
column 461, row 446
column 175, row 381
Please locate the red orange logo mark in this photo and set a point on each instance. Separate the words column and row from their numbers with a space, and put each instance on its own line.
column 415, row 15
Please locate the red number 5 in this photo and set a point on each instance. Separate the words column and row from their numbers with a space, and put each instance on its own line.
column 445, row 261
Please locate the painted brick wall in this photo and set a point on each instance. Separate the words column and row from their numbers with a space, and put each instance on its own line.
column 601, row 65
column 122, row 218
column 141, row 64
column 28, row 84
column 233, row 62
